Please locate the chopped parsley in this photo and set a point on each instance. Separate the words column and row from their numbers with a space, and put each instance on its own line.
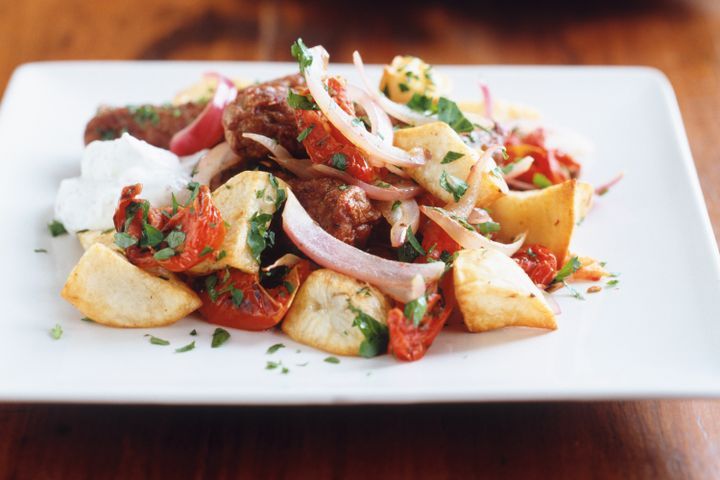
column 451, row 157
column 450, row 113
column 210, row 284
column 175, row 238
column 193, row 333
column 236, row 296
column 289, row 286
column 56, row 228
column 403, row 87
column 415, row 310
column 186, row 348
column 221, row 254
column 301, row 102
column 272, row 365
column 612, row 283
column 488, row 227
column 259, row 237
column 280, row 194
column 421, row 103
column 453, row 185
column 40, row 250
column 339, row 161
column 124, row 240
column 151, row 236
column 303, row 135
column 157, row 341
column 164, row 254
column 396, row 204
column 541, row 181
column 333, row 360
column 570, row 267
column 301, row 53
column 56, row 332
column 275, row 348
column 144, row 113
column 375, row 333
column 411, row 249
column 87, row 319
column 219, row 336
column 208, row 249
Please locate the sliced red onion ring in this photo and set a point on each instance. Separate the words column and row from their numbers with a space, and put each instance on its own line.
column 380, row 123
column 301, row 168
column 400, row 217
column 395, row 110
column 479, row 215
column 217, row 160
column 487, row 99
column 519, row 167
column 474, row 181
column 288, row 260
column 356, row 133
column 374, row 192
column 603, row 189
column 520, row 185
column 206, row 130
column 469, row 238
column 402, row 281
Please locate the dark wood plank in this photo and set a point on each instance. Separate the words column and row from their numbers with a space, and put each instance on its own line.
column 649, row 439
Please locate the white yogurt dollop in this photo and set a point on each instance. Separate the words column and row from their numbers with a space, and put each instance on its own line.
column 89, row 201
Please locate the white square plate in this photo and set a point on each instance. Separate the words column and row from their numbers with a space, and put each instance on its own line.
column 657, row 335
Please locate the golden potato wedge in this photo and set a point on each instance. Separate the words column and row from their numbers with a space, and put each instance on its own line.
column 106, row 287
column 437, row 139
column 408, row 75
column 548, row 216
column 89, row 237
column 321, row 315
column 238, row 199
column 492, row 291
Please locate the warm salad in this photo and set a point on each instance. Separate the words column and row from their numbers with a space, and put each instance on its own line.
column 359, row 219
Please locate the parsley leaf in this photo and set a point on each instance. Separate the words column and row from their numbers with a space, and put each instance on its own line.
column 151, row 236
column 272, row 365
column 333, row 360
column 453, row 185
column 237, row 296
column 488, row 227
column 339, row 161
column 612, row 283
column 375, row 333
column 157, row 341
column 303, row 135
column 421, row 103
column 301, row 102
column 175, row 238
column 541, row 181
column 186, row 348
column 452, row 156
column 124, row 240
column 415, row 310
column 274, row 348
column 193, row 333
column 396, row 204
column 210, row 283
column 164, row 254
column 56, row 228
column 56, row 332
column 208, row 249
column 259, row 238
column 280, row 194
column 301, row 53
column 450, row 113
column 220, row 336
column 570, row 267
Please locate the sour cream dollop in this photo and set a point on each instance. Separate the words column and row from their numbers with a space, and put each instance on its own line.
column 89, row 201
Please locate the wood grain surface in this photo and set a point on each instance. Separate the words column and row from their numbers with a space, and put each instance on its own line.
column 642, row 439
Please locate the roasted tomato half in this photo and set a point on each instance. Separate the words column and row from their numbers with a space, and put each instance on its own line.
column 236, row 299
column 175, row 238
column 409, row 342
column 539, row 263
column 325, row 144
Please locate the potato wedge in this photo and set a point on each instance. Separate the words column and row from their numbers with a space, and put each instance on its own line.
column 408, row 75
column 238, row 199
column 320, row 315
column 106, row 287
column 548, row 216
column 90, row 237
column 492, row 291
column 437, row 139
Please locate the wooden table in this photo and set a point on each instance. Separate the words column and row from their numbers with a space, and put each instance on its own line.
column 648, row 439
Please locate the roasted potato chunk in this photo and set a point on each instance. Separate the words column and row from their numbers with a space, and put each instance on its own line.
column 244, row 195
column 492, row 291
column 548, row 216
column 408, row 75
column 106, row 287
column 437, row 139
column 90, row 237
column 321, row 314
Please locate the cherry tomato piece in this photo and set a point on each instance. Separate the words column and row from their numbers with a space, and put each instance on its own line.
column 539, row 263
column 409, row 342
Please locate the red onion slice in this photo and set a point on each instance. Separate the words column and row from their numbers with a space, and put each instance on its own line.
column 479, row 215
column 206, row 130
column 519, row 167
column 487, row 99
column 217, row 160
column 474, row 181
column 405, row 214
column 469, row 238
column 301, row 168
column 603, row 189
column 520, row 185
column 402, row 281
column 374, row 192
column 355, row 132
